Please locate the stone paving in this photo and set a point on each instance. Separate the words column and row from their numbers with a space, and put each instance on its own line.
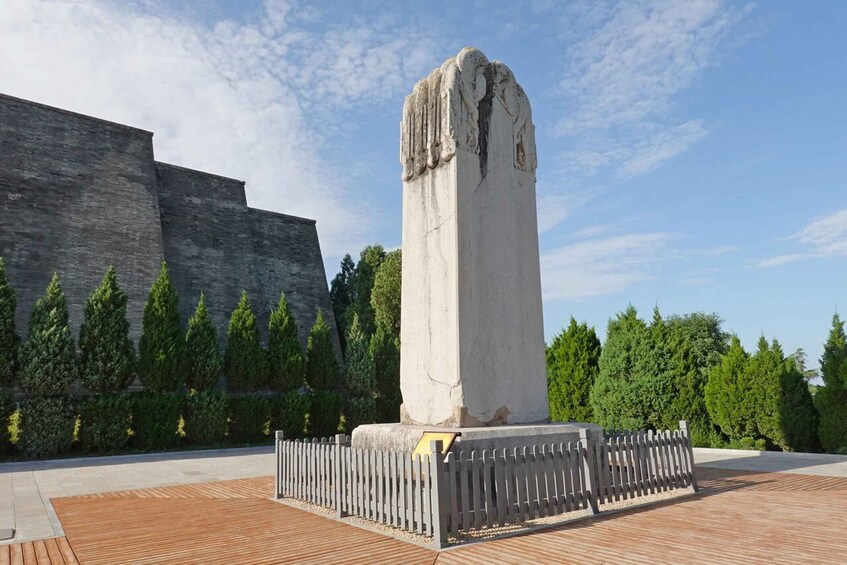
column 773, row 461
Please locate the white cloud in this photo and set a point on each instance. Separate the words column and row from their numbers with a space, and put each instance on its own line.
column 824, row 236
column 255, row 100
column 601, row 266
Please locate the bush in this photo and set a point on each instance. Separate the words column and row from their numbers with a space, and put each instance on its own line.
column 202, row 355
column 155, row 419
column 572, row 366
column 7, row 408
column 359, row 410
column 104, row 422
column 249, row 418
column 748, row 442
column 206, row 415
column 325, row 413
column 47, row 426
column 289, row 414
column 106, row 353
column 161, row 350
column 359, row 370
column 9, row 340
column 285, row 356
column 245, row 362
column 49, row 356
column 322, row 369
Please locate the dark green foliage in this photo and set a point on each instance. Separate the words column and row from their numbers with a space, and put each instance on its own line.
column 202, row 355
column 249, row 418
column 286, row 365
column 695, row 343
column 9, row 340
column 341, row 294
column 632, row 389
column 385, row 352
column 289, row 413
column 155, row 419
column 47, row 426
column 325, row 413
column 206, row 414
column 359, row 410
column 727, row 394
column 799, row 419
column 7, row 408
column 48, row 364
column 831, row 398
column 161, row 350
column 104, row 422
column 573, row 361
column 245, row 361
column 322, row 371
column 359, row 370
column 385, row 295
column 106, row 353
column 361, row 286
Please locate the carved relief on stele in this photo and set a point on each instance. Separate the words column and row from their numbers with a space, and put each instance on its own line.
column 442, row 114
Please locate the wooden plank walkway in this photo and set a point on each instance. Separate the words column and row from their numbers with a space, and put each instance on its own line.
column 740, row 517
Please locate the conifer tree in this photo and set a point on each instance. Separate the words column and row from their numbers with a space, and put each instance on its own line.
column 726, row 393
column 203, row 357
column 341, row 294
column 161, row 349
column 572, row 366
column 49, row 356
column 362, row 284
column 385, row 295
column 106, row 352
column 385, row 352
column 831, row 398
column 245, row 361
column 359, row 371
column 285, row 356
column 322, row 370
column 9, row 340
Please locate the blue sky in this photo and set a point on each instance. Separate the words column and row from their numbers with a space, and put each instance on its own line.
column 691, row 154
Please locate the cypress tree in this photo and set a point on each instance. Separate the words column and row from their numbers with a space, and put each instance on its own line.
column 362, row 284
column 572, row 366
column 831, row 398
column 106, row 353
column 285, row 356
column 385, row 295
column 385, row 352
column 359, row 370
column 726, row 393
column 9, row 340
column 341, row 294
column 161, row 362
column 49, row 356
column 245, row 362
column 203, row 357
column 322, row 370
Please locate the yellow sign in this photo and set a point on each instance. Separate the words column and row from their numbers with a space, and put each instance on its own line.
column 447, row 439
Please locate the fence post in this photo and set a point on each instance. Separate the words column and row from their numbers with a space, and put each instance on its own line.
column 338, row 482
column 689, row 452
column 589, row 462
column 280, row 436
column 438, row 494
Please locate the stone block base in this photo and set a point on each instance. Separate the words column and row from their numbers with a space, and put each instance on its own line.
column 404, row 437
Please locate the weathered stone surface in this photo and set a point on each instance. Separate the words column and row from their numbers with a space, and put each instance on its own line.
column 472, row 343
column 78, row 194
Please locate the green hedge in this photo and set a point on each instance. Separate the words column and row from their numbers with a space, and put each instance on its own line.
column 359, row 410
column 206, row 416
column 104, row 422
column 249, row 418
column 155, row 420
column 325, row 413
column 7, row 408
column 47, row 426
column 289, row 414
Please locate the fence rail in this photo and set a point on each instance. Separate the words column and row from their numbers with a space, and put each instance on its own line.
column 437, row 496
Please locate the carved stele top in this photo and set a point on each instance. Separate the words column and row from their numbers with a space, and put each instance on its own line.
column 441, row 114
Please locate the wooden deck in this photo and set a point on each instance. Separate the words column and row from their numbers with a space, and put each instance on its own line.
column 739, row 517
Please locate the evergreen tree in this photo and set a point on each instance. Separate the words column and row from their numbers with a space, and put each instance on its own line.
column 385, row 295
column 161, row 350
column 9, row 340
column 633, row 388
column 831, row 398
column 285, row 356
column 359, row 370
column 362, row 283
column 245, row 362
column 202, row 354
column 572, row 366
column 341, row 294
column 106, row 352
column 322, row 370
column 49, row 356
column 385, row 352
column 726, row 393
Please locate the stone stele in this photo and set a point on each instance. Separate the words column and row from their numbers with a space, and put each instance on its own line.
column 472, row 341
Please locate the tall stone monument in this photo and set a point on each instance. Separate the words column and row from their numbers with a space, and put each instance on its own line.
column 472, row 339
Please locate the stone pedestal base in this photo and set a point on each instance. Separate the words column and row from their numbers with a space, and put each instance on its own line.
column 404, row 437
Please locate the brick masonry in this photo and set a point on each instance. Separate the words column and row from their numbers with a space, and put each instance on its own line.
column 78, row 194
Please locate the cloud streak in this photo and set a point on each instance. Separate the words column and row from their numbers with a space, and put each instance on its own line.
column 824, row 236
